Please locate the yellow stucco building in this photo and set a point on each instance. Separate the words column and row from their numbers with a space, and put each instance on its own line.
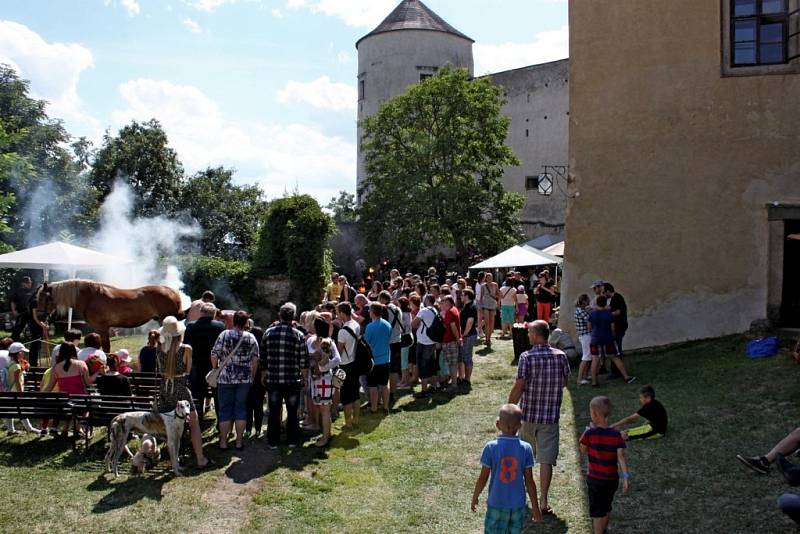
column 684, row 149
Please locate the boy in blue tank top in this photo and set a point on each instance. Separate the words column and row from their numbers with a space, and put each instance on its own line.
column 509, row 463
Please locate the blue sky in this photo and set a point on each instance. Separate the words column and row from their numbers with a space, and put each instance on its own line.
column 264, row 86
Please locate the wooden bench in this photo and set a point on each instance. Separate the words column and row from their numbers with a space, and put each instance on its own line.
column 33, row 378
column 35, row 405
column 144, row 384
column 98, row 411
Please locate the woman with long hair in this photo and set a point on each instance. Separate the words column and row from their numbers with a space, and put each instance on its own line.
column 174, row 362
column 71, row 375
column 490, row 298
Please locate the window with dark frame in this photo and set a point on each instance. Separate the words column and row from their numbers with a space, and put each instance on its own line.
column 424, row 76
column 360, row 90
column 764, row 32
column 542, row 184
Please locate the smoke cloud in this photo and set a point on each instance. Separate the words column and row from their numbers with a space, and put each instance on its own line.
column 141, row 240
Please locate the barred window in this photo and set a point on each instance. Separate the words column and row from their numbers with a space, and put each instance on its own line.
column 764, row 32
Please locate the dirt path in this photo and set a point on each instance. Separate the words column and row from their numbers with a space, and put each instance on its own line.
column 230, row 497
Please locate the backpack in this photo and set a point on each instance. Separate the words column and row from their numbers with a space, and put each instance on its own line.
column 436, row 329
column 363, row 359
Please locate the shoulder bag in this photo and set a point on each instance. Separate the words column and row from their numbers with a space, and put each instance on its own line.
column 212, row 377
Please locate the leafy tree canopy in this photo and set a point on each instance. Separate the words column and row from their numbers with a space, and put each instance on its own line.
column 343, row 208
column 230, row 215
column 140, row 154
column 435, row 157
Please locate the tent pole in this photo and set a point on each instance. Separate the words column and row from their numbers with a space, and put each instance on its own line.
column 69, row 312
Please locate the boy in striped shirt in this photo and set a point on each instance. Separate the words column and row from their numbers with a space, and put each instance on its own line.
column 605, row 449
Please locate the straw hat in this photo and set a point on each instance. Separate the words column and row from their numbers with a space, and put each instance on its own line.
column 170, row 329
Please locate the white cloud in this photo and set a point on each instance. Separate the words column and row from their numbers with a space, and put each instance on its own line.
column 284, row 155
column 277, row 13
column 131, row 7
column 356, row 13
column 192, row 25
column 546, row 46
column 207, row 5
column 53, row 69
column 321, row 93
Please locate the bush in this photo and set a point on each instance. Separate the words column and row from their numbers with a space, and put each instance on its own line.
column 230, row 280
column 294, row 242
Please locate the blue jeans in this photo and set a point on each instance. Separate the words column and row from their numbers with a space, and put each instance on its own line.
column 232, row 402
column 789, row 504
column 277, row 394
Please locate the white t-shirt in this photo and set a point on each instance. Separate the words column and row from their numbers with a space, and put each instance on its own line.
column 85, row 353
column 348, row 355
column 397, row 325
column 425, row 316
column 478, row 289
column 5, row 359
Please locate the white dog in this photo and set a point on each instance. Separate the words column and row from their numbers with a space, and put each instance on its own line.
column 168, row 425
column 148, row 454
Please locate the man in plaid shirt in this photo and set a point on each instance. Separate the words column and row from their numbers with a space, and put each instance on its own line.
column 541, row 377
column 284, row 357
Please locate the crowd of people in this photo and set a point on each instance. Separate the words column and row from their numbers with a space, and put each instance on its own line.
column 409, row 332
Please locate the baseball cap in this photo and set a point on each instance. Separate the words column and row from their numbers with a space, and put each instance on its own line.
column 597, row 283
column 17, row 347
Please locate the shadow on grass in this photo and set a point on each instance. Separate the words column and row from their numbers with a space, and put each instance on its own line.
column 26, row 451
column 255, row 462
column 128, row 491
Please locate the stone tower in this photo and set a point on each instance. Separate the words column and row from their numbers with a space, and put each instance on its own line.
column 409, row 45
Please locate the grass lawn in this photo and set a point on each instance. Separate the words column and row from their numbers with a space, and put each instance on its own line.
column 415, row 469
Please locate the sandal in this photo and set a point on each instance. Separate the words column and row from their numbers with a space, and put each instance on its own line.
column 547, row 511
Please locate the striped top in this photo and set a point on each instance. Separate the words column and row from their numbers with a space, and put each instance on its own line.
column 603, row 444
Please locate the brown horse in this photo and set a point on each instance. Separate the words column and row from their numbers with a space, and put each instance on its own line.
column 103, row 306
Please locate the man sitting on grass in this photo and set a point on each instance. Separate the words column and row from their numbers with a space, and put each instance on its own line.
column 509, row 462
column 785, row 447
column 651, row 410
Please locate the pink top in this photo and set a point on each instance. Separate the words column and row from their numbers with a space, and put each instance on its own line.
column 71, row 385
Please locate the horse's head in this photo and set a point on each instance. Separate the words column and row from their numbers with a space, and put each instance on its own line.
column 44, row 298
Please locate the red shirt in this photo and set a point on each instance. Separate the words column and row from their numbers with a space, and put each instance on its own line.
column 603, row 444
column 451, row 317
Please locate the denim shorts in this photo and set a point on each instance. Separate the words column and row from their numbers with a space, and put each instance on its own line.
column 467, row 349
column 504, row 520
column 232, row 402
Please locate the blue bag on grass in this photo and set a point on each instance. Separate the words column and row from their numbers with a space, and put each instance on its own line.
column 762, row 348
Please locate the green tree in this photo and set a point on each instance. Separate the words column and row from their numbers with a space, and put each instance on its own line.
column 343, row 208
column 140, row 154
column 48, row 193
column 230, row 215
column 435, row 157
column 294, row 242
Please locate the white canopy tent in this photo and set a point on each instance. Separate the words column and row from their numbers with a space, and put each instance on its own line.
column 59, row 256
column 518, row 256
column 556, row 249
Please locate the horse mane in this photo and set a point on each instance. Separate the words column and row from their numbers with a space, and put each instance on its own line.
column 65, row 294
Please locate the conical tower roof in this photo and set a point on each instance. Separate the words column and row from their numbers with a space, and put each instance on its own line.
column 413, row 15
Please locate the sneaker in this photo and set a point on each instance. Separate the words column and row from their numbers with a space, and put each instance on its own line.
column 584, row 382
column 630, row 380
column 790, row 471
column 759, row 464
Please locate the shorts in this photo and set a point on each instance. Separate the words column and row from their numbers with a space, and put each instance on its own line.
column 606, row 349
column 643, row 432
column 586, row 345
column 232, row 402
column 379, row 376
column 504, row 520
column 412, row 354
column 451, row 353
column 544, row 440
column 507, row 313
column 426, row 361
column 404, row 351
column 444, row 369
column 601, row 495
column 467, row 349
column 395, row 364
column 522, row 310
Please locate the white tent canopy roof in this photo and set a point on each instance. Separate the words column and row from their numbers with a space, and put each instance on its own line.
column 58, row 255
column 518, row 256
column 556, row 249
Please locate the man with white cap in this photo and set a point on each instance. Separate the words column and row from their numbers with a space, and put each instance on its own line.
column 597, row 288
